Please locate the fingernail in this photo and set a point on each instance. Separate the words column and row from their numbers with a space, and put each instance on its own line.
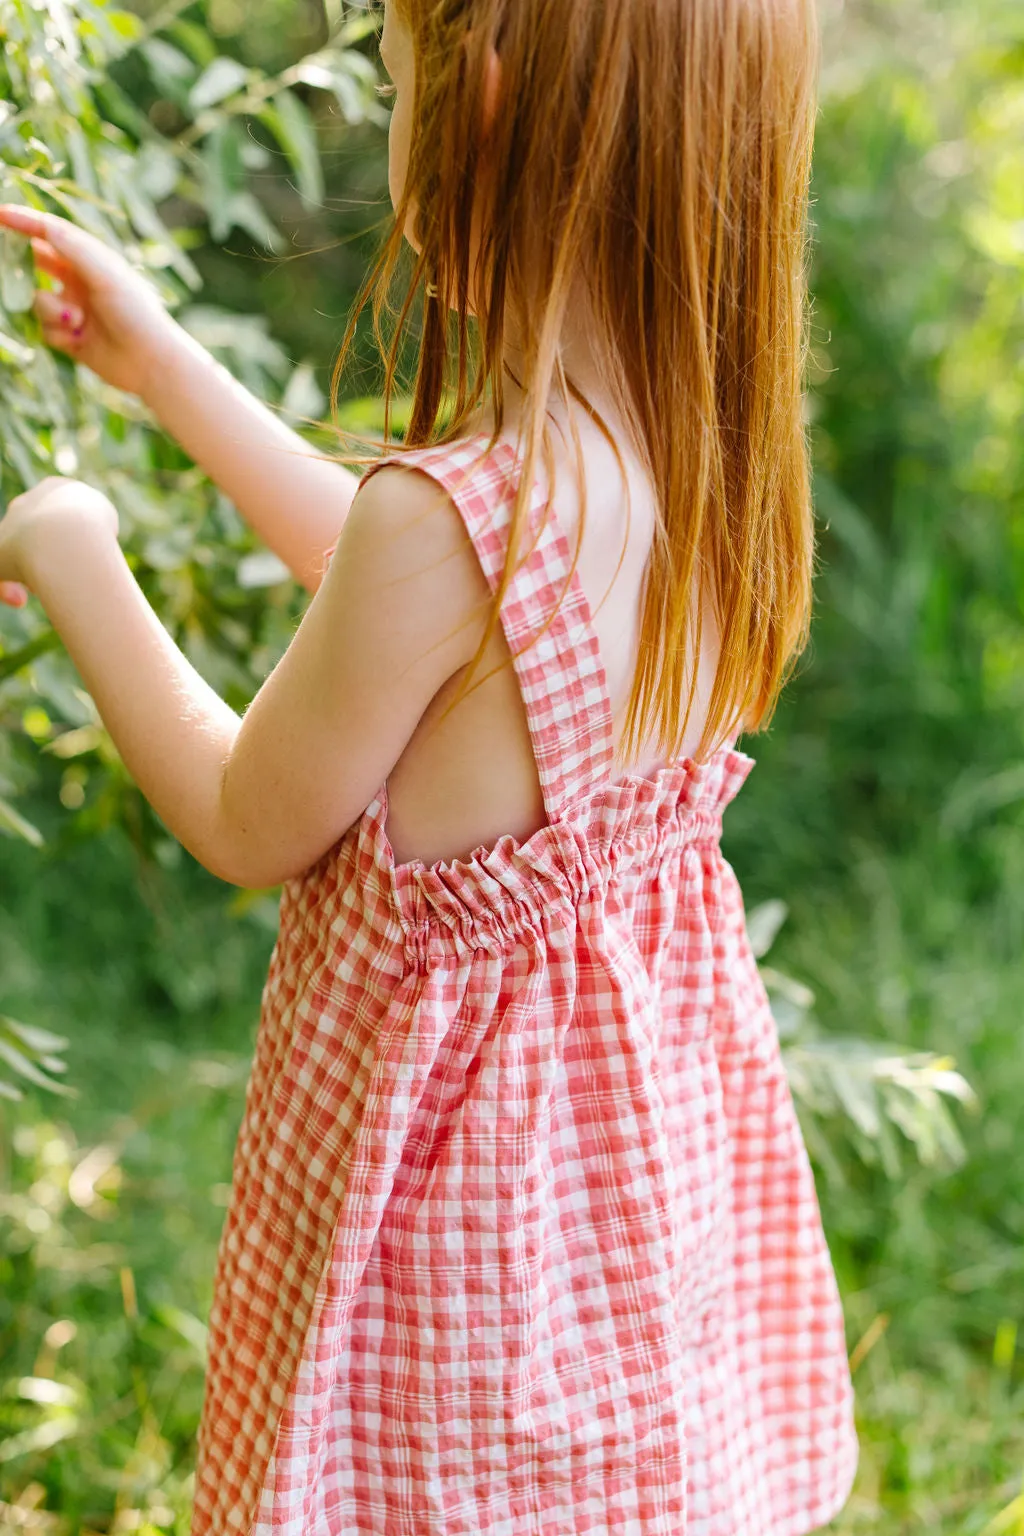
column 65, row 316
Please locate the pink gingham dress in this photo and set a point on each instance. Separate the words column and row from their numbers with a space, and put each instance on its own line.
column 523, row 1238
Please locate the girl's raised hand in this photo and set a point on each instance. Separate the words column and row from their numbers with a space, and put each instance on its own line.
column 107, row 315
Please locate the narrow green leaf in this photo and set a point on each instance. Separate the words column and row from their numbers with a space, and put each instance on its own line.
column 221, row 79
column 247, row 212
column 359, row 26
column 24, row 1067
column 35, row 1038
column 194, row 39
column 303, row 396
column 224, row 175
column 13, row 661
column 858, row 1096
column 50, row 1432
column 12, row 822
column 82, row 158
column 118, row 108
column 14, row 351
column 171, row 69
column 763, row 924
column 350, row 77
column 183, row 1324
column 290, row 123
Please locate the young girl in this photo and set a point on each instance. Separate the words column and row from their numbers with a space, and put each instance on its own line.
column 523, row 1238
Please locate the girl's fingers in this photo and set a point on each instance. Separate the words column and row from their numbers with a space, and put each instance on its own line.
column 49, row 260
column 91, row 257
column 27, row 221
column 64, row 341
column 13, row 594
column 58, row 311
column 65, row 338
column 71, row 289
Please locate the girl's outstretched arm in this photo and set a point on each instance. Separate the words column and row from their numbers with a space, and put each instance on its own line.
column 293, row 497
column 261, row 798
column 109, row 318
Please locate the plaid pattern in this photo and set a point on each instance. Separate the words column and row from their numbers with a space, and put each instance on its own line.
column 523, row 1238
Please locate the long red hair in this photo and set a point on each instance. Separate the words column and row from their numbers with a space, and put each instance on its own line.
column 660, row 151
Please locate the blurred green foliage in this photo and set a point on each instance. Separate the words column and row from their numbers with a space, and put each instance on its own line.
column 236, row 153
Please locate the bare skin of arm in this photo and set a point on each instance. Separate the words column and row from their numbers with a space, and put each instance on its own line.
column 108, row 318
column 261, row 797
column 294, row 498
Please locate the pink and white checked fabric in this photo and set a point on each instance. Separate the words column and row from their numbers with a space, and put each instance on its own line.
column 523, row 1238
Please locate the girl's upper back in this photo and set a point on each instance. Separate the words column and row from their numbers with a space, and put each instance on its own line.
column 467, row 778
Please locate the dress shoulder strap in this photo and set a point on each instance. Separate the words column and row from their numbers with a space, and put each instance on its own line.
column 545, row 614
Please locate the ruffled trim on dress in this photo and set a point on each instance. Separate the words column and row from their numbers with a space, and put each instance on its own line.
column 495, row 895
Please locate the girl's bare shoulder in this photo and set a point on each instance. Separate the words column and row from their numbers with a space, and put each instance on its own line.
column 405, row 523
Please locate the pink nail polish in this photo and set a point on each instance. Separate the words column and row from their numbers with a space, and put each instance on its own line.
column 65, row 316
